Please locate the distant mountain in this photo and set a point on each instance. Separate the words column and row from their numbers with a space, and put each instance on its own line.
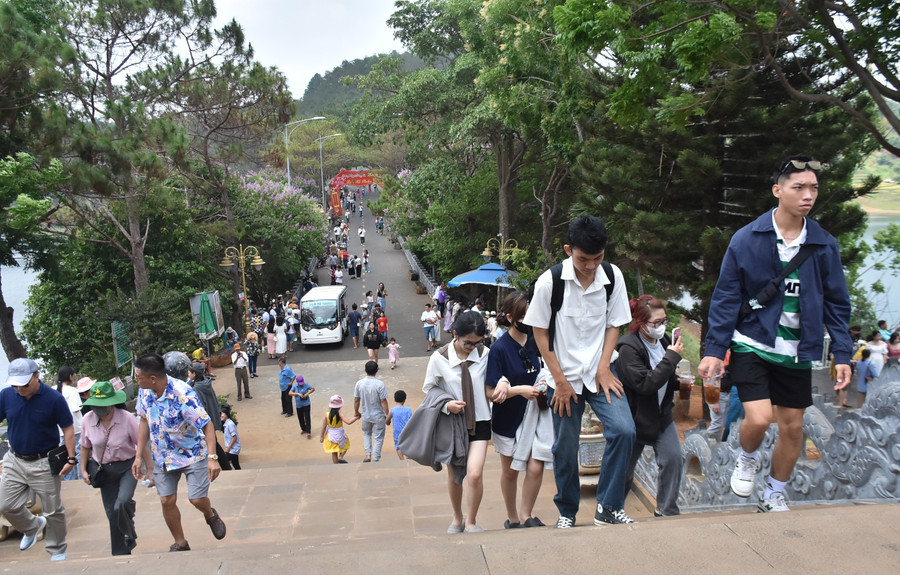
column 327, row 95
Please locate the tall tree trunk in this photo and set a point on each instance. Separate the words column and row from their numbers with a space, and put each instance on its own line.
column 509, row 152
column 137, row 240
column 11, row 344
column 549, row 201
column 237, row 309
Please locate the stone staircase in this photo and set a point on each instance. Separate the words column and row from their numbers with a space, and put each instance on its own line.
column 391, row 517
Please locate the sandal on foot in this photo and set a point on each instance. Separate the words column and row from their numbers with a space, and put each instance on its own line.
column 177, row 547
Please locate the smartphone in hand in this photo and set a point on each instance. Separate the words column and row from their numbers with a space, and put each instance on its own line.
column 676, row 333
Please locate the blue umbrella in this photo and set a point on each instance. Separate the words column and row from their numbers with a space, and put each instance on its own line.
column 489, row 274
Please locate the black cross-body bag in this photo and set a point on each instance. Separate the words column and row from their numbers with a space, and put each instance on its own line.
column 771, row 289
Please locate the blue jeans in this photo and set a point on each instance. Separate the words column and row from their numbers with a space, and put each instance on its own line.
column 735, row 412
column 618, row 431
column 252, row 360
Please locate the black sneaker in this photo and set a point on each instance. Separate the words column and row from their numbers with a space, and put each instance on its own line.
column 565, row 522
column 608, row 517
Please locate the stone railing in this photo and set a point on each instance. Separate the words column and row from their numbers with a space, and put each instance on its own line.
column 418, row 267
column 856, row 456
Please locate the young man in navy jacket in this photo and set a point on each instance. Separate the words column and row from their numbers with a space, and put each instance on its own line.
column 773, row 347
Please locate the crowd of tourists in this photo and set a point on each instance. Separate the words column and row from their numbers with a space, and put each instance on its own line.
column 519, row 378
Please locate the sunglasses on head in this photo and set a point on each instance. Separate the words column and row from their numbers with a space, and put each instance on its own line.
column 813, row 165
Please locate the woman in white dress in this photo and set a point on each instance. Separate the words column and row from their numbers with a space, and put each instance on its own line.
column 280, row 337
column 879, row 350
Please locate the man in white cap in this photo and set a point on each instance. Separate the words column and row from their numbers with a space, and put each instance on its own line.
column 33, row 412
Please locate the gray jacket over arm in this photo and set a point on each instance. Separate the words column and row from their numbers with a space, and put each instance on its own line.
column 434, row 438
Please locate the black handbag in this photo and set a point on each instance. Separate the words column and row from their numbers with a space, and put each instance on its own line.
column 58, row 457
column 95, row 473
column 95, row 469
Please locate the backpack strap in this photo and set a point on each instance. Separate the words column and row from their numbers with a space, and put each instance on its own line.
column 556, row 299
column 607, row 269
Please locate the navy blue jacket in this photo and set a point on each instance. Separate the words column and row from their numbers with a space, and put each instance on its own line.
column 750, row 263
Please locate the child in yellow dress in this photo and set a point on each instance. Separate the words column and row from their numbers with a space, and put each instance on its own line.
column 334, row 438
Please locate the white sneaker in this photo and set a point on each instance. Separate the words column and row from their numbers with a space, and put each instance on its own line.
column 28, row 541
column 745, row 469
column 774, row 504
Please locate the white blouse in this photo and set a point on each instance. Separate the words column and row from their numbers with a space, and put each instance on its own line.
column 447, row 375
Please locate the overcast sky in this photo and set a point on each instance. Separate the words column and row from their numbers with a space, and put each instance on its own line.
column 305, row 37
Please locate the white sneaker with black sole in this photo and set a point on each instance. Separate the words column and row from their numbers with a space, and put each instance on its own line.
column 745, row 470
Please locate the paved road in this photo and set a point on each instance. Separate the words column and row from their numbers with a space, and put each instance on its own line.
column 404, row 306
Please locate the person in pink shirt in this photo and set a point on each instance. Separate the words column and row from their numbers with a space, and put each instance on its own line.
column 109, row 437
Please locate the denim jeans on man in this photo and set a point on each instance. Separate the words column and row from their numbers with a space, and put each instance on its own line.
column 373, row 433
column 619, row 433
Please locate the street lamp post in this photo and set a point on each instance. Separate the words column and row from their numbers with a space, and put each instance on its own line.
column 242, row 254
column 501, row 247
column 287, row 140
column 322, row 168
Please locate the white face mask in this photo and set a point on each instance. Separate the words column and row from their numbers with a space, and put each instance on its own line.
column 656, row 332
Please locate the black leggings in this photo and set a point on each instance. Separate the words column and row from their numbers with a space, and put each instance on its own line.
column 235, row 461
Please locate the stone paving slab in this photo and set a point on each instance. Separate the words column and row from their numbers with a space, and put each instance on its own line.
column 818, row 539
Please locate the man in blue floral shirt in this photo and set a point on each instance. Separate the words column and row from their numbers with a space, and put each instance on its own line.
column 179, row 430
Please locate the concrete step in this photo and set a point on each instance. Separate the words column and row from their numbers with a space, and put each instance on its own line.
column 391, row 517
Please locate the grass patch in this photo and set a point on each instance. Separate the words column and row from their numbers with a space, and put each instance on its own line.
column 691, row 349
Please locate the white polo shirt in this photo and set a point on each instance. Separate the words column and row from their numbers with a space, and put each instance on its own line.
column 447, row 375
column 581, row 322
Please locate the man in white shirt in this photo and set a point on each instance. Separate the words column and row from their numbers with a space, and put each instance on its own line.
column 429, row 319
column 241, row 374
column 585, row 335
column 361, row 232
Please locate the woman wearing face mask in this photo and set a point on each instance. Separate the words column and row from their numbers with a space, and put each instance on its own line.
column 646, row 367
column 458, row 369
column 521, row 423
column 109, row 437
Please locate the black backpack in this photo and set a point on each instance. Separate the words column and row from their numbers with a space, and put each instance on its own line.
column 559, row 289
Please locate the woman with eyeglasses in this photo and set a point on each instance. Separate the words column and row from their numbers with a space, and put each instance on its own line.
column 458, row 369
column 646, row 367
column 521, row 423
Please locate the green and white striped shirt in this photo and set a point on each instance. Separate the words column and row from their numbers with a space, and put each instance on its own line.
column 787, row 338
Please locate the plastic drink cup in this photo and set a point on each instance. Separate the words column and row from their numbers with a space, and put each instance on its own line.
column 711, row 388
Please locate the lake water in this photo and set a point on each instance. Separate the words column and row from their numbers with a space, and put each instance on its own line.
column 887, row 305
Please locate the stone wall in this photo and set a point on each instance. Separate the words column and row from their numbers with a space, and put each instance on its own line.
column 858, row 456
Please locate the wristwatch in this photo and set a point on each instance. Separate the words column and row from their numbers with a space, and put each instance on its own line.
column 213, row 456
column 72, row 460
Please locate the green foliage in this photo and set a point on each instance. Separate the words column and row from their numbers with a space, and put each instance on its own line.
column 157, row 321
column 86, row 285
column 285, row 223
column 24, row 203
column 330, row 95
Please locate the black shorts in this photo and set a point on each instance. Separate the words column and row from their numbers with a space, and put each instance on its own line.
column 756, row 379
column 482, row 431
